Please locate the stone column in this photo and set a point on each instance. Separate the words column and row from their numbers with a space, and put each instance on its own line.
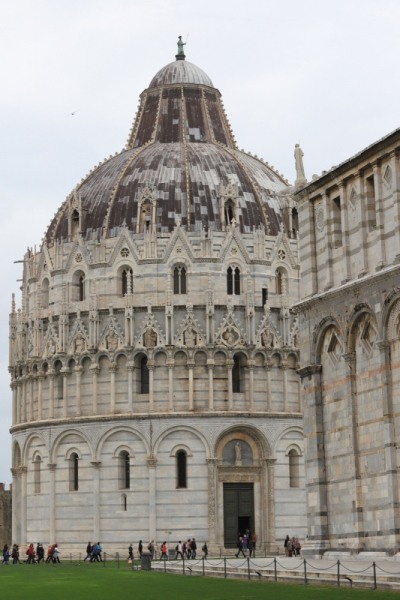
column 190, row 365
column 112, row 368
column 23, row 471
column 65, row 373
column 19, row 401
column 130, row 368
column 229, row 366
column 212, row 504
column 270, row 462
column 284, row 368
column 40, row 378
column 210, row 366
column 171, row 366
column 31, row 398
column 152, row 463
column 52, row 494
column 150, row 366
column 380, row 221
column 95, row 371
column 23, row 388
column 78, row 374
column 14, row 388
column 328, row 240
column 250, row 365
column 51, row 374
column 396, row 201
column 267, row 367
column 359, row 181
column 316, row 484
column 344, row 218
column 14, row 493
column 96, row 499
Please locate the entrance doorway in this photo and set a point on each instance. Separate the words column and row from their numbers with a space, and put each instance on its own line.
column 238, row 511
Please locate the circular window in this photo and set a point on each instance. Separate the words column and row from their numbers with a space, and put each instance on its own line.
column 78, row 257
column 281, row 255
column 125, row 252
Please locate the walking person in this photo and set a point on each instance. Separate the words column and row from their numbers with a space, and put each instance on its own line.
column 49, row 554
column 56, row 554
column 99, row 551
column 164, row 550
column 205, row 550
column 249, row 545
column 40, row 553
column 254, row 542
column 287, row 540
column 130, row 552
column 193, row 547
column 89, row 550
column 184, row 550
column 31, row 555
column 179, row 550
column 6, row 555
column 188, row 549
column 150, row 548
column 297, row 546
column 244, row 542
column 240, row 548
column 140, row 548
column 15, row 555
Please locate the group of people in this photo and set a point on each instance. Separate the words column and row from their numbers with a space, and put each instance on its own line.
column 93, row 552
column 292, row 546
column 245, row 543
column 35, row 556
column 183, row 550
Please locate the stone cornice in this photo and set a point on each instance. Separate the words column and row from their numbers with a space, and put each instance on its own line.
column 154, row 415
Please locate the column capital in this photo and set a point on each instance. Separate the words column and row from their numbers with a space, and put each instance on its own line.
column 52, row 374
column 130, row 366
column 95, row 369
column 96, row 464
column 171, row 363
column 309, row 370
column 383, row 344
column 15, row 471
column 212, row 461
column 210, row 363
column 151, row 365
column 349, row 357
column 151, row 463
column 269, row 462
column 229, row 363
column 251, row 364
column 52, row 466
column 78, row 370
column 41, row 375
column 65, row 372
column 112, row 367
column 23, row 469
column 191, row 364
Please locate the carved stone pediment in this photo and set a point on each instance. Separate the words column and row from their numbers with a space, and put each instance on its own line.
column 239, row 474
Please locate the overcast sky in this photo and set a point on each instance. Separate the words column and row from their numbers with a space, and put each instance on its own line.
column 320, row 72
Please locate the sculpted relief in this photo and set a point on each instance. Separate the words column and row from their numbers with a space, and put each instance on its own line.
column 80, row 344
column 150, row 338
column 230, row 336
column 112, row 340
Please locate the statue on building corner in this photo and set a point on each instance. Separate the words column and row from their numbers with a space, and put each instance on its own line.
column 300, row 173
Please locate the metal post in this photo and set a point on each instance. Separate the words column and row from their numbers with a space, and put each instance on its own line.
column 183, row 563
column 104, row 561
column 338, row 573
column 374, row 567
column 305, row 571
column 225, row 567
column 248, row 568
column 118, row 559
column 276, row 579
column 165, row 565
column 203, row 567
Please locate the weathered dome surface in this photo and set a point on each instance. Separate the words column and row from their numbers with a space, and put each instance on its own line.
column 182, row 146
column 180, row 71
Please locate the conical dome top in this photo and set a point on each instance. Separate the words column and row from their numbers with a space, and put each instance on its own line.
column 180, row 71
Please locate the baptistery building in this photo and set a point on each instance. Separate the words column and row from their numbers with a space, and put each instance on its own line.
column 154, row 357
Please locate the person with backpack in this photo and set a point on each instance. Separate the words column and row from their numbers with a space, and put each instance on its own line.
column 6, row 555
column 205, row 550
column 297, row 546
column 240, row 548
column 140, row 548
column 184, row 550
column 15, row 555
column 150, row 548
column 31, row 555
column 193, row 547
column 130, row 553
column 164, row 550
column 56, row 554
column 89, row 550
column 40, row 553
column 179, row 550
column 98, row 546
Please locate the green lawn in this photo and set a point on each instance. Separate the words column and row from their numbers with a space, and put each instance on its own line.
column 94, row 582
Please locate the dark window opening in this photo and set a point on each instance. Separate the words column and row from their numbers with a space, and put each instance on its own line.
column 229, row 281
column 181, row 468
column 336, row 222
column 294, row 469
column 74, row 473
column 233, row 281
column 127, row 474
column 371, row 203
column 228, row 214
column 144, row 376
column 125, row 275
column 81, row 288
column 236, row 375
column 180, row 280
column 74, row 223
column 295, row 222
column 124, row 503
column 237, row 282
column 264, row 296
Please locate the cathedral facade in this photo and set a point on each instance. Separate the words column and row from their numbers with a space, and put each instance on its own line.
column 350, row 348
column 154, row 359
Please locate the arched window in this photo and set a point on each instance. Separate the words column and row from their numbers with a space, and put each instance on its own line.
column 126, row 273
column 180, row 280
column 36, row 474
column 74, row 223
column 124, row 471
column 45, row 293
column 58, row 383
column 233, row 281
column 236, row 375
column 294, row 468
column 295, row 223
column 181, row 469
column 281, row 283
column 264, row 296
column 144, row 376
column 124, row 503
column 81, row 288
column 229, row 213
column 73, row 472
column 145, row 217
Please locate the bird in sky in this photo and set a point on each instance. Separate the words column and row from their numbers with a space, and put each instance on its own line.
column 73, row 113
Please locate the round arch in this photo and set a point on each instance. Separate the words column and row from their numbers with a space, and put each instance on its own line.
column 59, row 438
column 28, row 441
column 258, row 440
column 163, row 434
column 116, row 429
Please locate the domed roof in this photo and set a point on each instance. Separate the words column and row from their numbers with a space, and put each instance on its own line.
column 181, row 148
column 180, row 71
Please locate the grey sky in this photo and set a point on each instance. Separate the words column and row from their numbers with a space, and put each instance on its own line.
column 322, row 73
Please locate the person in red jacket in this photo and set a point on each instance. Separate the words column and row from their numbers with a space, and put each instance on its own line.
column 163, row 550
column 31, row 554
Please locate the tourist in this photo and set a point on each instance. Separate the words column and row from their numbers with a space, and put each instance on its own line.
column 244, row 542
column 297, row 546
column 205, row 550
column 55, row 554
column 193, row 547
column 31, row 554
column 179, row 550
column 184, row 550
column 89, row 549
column 240, row 548
column 290, row 548
column 164, row 550
column 6, row 555
column 286, row 545
column 130, row 552
column 150, row 548
column 140, row 548
column 15, row 555
column 40, row 553
column 99, row 551
column 249, row 545
column 254, row 542
column 94, row 557
column 49, row 554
